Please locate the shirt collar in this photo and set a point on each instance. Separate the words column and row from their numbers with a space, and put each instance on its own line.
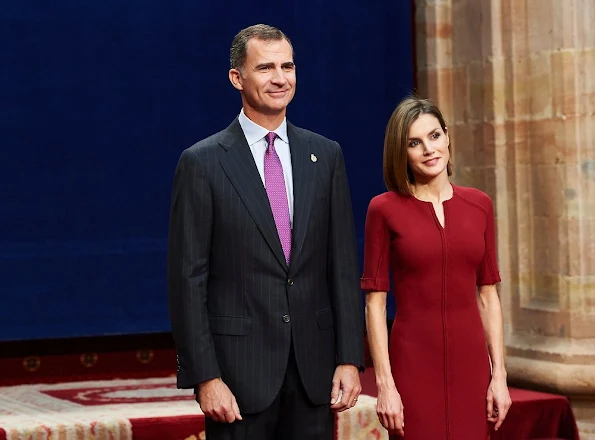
column 255, row 132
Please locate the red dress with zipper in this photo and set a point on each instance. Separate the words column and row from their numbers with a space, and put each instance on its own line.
column 438, row 352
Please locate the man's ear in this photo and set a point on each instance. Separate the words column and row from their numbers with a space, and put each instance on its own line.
column 235, row 77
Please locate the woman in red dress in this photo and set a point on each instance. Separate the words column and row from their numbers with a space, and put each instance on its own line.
column 444, row 370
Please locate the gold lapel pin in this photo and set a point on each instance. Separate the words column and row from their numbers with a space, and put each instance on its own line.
column 313, row 158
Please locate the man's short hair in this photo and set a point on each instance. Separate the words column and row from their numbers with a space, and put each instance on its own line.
column 237, row 53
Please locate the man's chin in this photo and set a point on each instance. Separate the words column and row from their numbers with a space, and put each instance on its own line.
column 276, row 108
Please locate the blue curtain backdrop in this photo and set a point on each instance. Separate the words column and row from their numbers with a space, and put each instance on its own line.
column 100, row 98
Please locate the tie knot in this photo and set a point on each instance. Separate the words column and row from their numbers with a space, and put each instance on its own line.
column 270, row 137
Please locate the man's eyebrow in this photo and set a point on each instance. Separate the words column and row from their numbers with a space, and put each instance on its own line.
column 286, row 64
column 259, row 66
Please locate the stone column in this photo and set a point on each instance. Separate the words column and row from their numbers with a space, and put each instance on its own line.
column 516, row 81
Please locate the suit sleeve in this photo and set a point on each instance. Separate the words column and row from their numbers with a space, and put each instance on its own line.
column 346, row 296
column 188, row 271
column 487, row 272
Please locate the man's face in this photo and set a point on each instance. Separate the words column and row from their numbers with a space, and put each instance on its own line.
column 267, row 81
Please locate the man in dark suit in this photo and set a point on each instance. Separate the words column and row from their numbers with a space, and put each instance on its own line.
column 265, row 303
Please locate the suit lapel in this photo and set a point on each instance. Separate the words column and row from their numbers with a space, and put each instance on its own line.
column 241, row 170
column 303, row 184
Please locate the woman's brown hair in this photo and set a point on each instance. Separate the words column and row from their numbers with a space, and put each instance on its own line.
column 397, row 173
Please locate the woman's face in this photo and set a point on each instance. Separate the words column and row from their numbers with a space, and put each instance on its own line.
column 427, row 148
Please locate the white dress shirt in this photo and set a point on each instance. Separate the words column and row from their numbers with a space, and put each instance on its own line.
column 255, row 136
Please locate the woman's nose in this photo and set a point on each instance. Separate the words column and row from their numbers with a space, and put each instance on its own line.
column 428, row 149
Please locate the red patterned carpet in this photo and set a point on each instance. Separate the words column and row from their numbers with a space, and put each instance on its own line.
column 148, row 409
column 117, row 409
column 139, row 409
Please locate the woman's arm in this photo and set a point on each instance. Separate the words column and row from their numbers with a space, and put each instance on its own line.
column 378, row 337
column 491, row 317
column 498, row 398
column 389, row 406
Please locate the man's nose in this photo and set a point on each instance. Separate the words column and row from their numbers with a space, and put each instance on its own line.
column 279, row 76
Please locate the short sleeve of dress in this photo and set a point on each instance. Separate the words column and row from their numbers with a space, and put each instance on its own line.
column 487, row 272
column 376, row 250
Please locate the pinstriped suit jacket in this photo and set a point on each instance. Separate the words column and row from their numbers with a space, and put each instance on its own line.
column 235, row 305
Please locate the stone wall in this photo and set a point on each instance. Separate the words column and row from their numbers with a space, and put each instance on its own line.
column 516, row 82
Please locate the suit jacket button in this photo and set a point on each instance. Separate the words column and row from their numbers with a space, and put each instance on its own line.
column 286, row 318
column 290, row 282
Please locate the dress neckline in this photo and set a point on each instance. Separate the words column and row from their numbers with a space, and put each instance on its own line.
column 443, row 201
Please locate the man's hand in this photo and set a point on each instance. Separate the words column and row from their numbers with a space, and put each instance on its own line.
column 346, row 388
column 217, row 401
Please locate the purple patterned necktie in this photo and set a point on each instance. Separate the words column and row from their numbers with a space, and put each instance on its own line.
column 274, row 183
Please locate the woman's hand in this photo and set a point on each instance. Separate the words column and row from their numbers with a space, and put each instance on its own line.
column 498, row 401
column 389, row 408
